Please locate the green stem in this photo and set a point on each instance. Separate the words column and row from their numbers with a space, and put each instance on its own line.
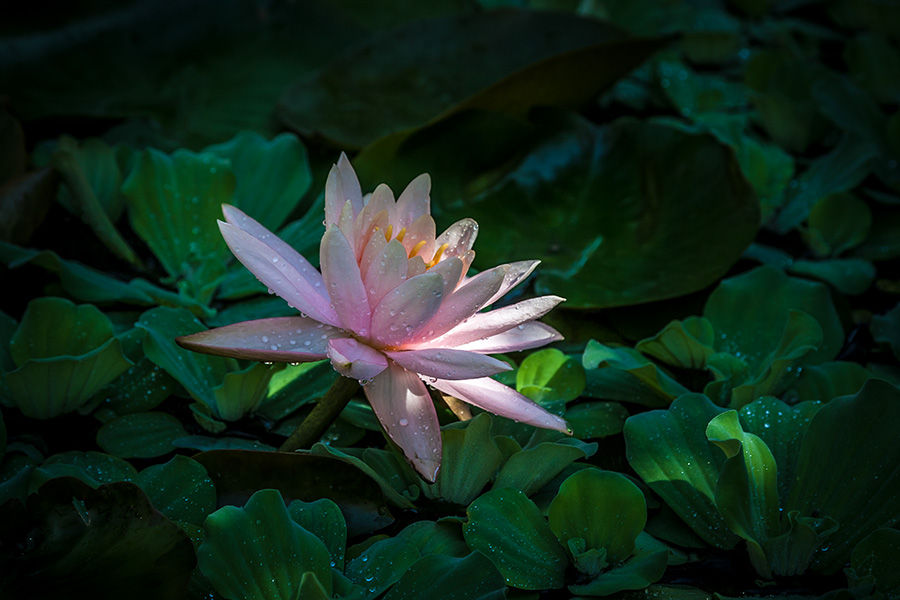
column 322, row 416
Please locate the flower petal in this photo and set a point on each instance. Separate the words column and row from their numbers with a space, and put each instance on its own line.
column 495, row 397
column 380, row 201
column 451, row 270
column 235, row 216
column 354, row 359
column 421, row 230
column 488, row 324
column 402, row 311
column 344, row 282
column 464, row 302
column 386, row 272
column 448, row 363
column 278, row 273
column 518, row 272
column 459, row 237
column 341, row 186
column 522, row 337
column 404, row 408
column 415, row 201
column 280, row 339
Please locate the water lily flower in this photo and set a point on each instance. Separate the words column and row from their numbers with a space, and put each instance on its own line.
column 392, row 307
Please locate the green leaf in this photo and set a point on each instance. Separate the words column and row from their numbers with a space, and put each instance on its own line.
column 180, row 489
column 258, row 552
column 323, row 519
column 590, row 420
column 632, row 364
column 837, row 223
column 382, row 564
column 242, row 391
column 747, row 490
column 508, row 528
column 173, row 204
column 764, row 296
column 395, row 495
column 826, row 381
column 550, row 378
column 602, row 508
column 97, row 161
column 469, row 460
column 853, row 482
column 686, row 344
column 90, row 285
column 530, row 469
column 875, row 64
column 851, row 276
column 876, row 555
column 93, row 468
column 670, row 452
column 438, row 577
column 141, row 435
column 886, row 329
column 54, row 327
column 86, row 543
column 299, row 476
column 436, row 537
column 637, row 573
column 439, row 62
column 141, row 388
column 271, row 177
column 621, row 215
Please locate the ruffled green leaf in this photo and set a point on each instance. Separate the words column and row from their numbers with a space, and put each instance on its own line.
column 837, row 223
column 637, row 573
column 590, row 420
column 93, row 468
column 323, row 519
column 180, row 489
column 686, row 344
column 851, row 276
column 631, row 364
column 531, row 469
column 671, row 453
column 141, row 388
column 876, row 556
column 856, row 481
column 508, row 528
column 141, row 435
column 258, row 552
column 436, row 537
column 603, row 509
column 381, row 565
column 469, row 460
column 271, row 177
column 550, row 378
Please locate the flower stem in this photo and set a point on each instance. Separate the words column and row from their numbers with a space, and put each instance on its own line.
column 322, row 416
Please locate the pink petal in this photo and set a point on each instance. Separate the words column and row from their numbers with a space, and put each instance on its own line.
column 447, row 363
column 495, row 397
column 414, row 202
column 371, row 251
column 451, row 270
column 522, row 337
column 386, row 272
column 459, row 237
column 403, row 310
column 378, row 206
column 416, row 266
column 404, row 408
column 518, row 272
column 235, row 216
column 280, row 339
column 344, row 282
column 464, row 302
column 487, row 324
column 421, row 230
column 278, row 273
column 350, row 182
column 341, row 186
column 354, row 359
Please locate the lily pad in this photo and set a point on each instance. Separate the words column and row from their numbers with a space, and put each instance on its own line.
column 107, row 542
column 508, row 528
column 258, row 552
column 621, row 227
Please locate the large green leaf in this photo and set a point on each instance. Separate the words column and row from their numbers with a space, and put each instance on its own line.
column 670, row 451
column 875, row 557
column 441, row 63
column 655, row 387
column 620, row 215
column 508, row 528
column 93, row 468
column 550, row 378
column 590, row 420
column 686, row 344
column 86, row 543
column 180, row 489
column 271, row 177
column 382, row 564
column 141, row 435
column 469, row 460
column 258, row 553
column 855, row 482
column 530, row 469
column 323, row 518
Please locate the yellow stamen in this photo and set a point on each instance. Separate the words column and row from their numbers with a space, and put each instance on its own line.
column 437, row 255
column 387, row 233
column 401, row 234
column 416, row 248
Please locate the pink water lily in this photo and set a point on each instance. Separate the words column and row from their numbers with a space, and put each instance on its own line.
column 393, row 308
